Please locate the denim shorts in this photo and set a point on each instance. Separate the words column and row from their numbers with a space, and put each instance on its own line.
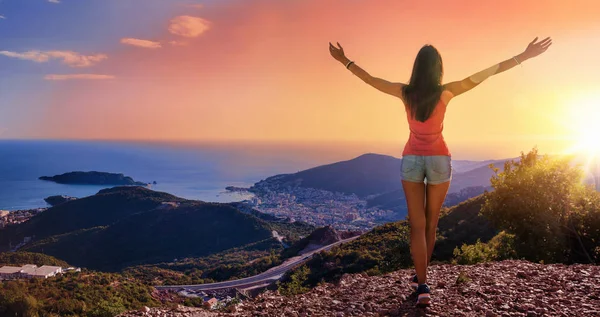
column 436, row 169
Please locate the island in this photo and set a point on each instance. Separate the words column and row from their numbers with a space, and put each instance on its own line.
column 92, row 178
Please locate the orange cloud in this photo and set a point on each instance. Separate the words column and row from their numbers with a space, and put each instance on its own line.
column 70, row 58
column 178, row 43
column 78, row 76
column 188, row 26
column 141, row 43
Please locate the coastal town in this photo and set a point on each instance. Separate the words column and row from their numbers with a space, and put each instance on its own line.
column 317, row 207
column 17, row 216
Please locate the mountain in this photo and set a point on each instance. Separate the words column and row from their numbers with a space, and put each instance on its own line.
column 126, row 226
column 455, row 198
column 365, row 175
column 370, row 185
column 462, row 166
column 479, row 176
column 92, row 178
column 376, row 174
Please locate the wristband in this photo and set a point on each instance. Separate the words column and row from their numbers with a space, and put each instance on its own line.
column 516, row 60
column 349, row 63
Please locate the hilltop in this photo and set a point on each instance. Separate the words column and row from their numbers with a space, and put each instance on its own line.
column 486, row 289
column 365, row 175
column 493, row 289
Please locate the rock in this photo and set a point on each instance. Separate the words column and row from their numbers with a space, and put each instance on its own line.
column 521, row 274
column 58, row 199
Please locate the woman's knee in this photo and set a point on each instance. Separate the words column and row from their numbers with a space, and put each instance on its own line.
column 418, row 226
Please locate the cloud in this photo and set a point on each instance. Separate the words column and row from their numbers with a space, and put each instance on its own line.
column 188, row 26
column 195, row 6
column 70, row 58
column 141, row 43
column 78, row 76
column 54, row 1
column 178, row 43
column 2, row 17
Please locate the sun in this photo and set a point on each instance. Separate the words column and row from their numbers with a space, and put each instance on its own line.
column 583, row 120
column 588, row 140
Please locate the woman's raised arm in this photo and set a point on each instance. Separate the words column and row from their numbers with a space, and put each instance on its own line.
column 533, row 49
column 394, row 89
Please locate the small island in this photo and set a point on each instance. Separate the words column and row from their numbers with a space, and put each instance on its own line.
column 93, row 178
column 236, row 189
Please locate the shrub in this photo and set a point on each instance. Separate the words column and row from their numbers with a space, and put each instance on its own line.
column 542, row 201
column 500, row 247
column 295, row 282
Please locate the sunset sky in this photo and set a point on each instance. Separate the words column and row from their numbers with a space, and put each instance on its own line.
column 261, row 70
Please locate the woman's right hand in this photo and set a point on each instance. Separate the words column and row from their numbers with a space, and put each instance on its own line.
column 534, row 49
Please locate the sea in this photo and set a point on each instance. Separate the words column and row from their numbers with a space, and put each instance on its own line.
column 191, row 170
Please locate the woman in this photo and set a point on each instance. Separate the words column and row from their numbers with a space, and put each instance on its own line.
column 426, row 156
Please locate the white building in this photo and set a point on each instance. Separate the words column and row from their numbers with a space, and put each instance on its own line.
column 45, row 271
column 29, row 271
column 10, row 272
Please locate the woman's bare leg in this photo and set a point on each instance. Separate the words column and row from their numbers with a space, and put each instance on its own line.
column 415, row 199
column 436, row 194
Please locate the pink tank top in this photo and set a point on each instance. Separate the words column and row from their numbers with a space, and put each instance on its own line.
column 426, row 137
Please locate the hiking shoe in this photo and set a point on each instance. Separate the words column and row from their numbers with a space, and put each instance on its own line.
column 414, row 282
column 423, row 295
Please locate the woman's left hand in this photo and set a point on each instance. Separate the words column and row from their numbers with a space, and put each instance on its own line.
column 337, row 53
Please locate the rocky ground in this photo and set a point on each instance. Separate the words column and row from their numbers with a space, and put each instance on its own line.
column 507, row 288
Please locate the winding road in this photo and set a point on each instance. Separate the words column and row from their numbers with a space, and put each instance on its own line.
column 265, row 278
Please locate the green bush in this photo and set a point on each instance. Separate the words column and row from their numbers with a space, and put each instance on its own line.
column 77, row 294
column 296, row 281
column 543, row 202
column 500, row 247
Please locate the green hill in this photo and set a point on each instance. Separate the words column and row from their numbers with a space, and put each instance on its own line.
column 462, row 224
column 22, row 258
column 102, row 209
column 386, row 248
column 126, row 226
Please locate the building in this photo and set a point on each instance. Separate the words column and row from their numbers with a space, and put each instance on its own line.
column 10, row 272
column 29, row 271
column 212, row 303
column 45, row 271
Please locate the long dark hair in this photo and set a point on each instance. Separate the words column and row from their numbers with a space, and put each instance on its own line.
column 425, row 88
